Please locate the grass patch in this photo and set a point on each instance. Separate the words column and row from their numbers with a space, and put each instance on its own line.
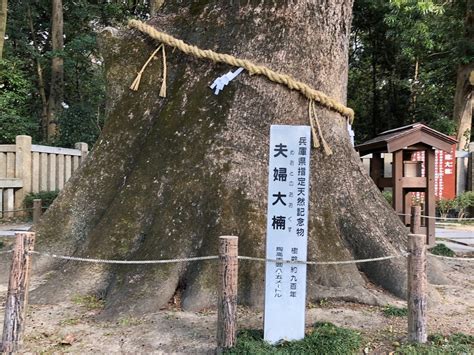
column 441, row 249
column 457, row 343
column 2, row 244
column 130, row 321
column 392, row 311
column 91, row 302
column 71, row 321
column 325, row 338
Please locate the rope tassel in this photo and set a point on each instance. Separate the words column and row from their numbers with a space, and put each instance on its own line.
column 136, row 83
column 163, row 84
column 316, row 128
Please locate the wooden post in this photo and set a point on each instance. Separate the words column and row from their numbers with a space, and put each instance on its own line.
column 22, row 169
column 17, row 297
column 430, row 203
column 37, row 211
column 376, row 168
column 417, row 288
column 227, row 302
column 84, row 148
column 415, row 220
column 397, row 178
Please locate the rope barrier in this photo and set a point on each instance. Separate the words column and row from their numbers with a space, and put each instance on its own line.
column 342, row 262
column 18, row 210
column 439, row 218
column 284, row 79
column 109, row 261
column 451, row 258
column 214, row 257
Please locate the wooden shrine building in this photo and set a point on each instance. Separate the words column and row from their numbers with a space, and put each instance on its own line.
column 408, row 176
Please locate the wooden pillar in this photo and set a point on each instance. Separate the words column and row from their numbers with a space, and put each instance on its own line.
column 22, row 168
column 35, row 172
column 9, row 202
column 407, row 201
column 17, row 297
column 397, row 176
column 376, row 166
column 67, row 167
column 51, row 172
column 417, row 288
column 84, row 148
column 60, row 172
column 37, row 211
column 430, row 203
column 415, row 220
column 227, row 302
column 43, row 172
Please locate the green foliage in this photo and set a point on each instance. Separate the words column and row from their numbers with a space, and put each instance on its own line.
column 79, row 123
column 442, row 249
column 402, row 64
column 392, row 311
column 21, row 106
column 457, row 343
column 388, row 196
column 325, row 338
column 445, row 205
column 15, row 92
column 444, row 125
column 463, row 202
column 46, row 197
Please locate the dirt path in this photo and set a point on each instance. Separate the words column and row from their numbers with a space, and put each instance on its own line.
column 73, row 325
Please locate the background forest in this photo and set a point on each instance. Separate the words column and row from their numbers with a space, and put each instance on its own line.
column 403, row 65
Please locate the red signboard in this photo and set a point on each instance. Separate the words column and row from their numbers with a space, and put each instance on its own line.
column 445, row 172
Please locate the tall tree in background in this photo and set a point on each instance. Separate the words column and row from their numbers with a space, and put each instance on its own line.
column 56, row 87
column 463, row 100
column 3, row 23
column 401, row 63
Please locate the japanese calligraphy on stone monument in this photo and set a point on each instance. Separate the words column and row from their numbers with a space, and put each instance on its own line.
column 287, row 224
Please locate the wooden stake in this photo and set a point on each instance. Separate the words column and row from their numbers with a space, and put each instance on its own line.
column 415, row 220
column 417, row 288
column 37, row 211
column 17, row 297
column 227, row 302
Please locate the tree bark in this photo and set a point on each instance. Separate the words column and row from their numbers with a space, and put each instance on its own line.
column 155, row 6
column 56, row 87
column 39, row 71
column 463, row 98
column 3, row 24
column 170, row 175
column 463, row 104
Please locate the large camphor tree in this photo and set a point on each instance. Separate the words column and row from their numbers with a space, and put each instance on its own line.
column 168, row 176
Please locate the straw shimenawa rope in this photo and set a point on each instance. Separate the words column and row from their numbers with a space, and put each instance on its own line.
column 284, row 79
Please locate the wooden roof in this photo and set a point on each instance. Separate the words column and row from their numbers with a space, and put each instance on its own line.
column 406, row 137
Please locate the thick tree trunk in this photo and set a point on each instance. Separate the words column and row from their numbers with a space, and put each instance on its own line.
column 463, row 104
column 56, row 88
column 3, row 24
column 170, row 175
column 463, row 98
